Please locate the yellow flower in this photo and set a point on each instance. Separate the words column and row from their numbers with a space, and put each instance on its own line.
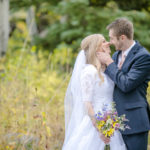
column 102, row 123
column 114, row 124
column 108, row 133
column 111, row 132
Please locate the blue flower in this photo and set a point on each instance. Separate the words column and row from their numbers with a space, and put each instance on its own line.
column 99, row 113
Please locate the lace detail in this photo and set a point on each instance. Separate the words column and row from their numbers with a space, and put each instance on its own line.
column 88, row 77
column 94, row 92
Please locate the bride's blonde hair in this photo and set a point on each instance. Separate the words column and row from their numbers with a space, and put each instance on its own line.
column 90, row 45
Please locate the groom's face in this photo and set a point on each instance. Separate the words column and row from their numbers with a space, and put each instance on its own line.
column 117, row 42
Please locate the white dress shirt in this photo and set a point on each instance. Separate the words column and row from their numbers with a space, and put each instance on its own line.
column 125, row 53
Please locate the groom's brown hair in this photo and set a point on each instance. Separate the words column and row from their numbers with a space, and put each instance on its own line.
column 122, row 26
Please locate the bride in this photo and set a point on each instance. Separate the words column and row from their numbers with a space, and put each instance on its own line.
column 89, row 89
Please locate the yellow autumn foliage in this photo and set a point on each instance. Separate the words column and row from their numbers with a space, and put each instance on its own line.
column 31, row 102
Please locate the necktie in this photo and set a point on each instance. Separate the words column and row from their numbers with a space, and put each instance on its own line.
column 122, row 60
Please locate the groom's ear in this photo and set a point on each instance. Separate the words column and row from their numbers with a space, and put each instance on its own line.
column 123, row 37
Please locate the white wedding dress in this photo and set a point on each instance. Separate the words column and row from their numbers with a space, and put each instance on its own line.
column 84, row 136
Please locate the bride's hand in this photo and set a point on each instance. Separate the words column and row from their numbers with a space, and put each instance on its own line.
column 106, row 47
column 104, row 139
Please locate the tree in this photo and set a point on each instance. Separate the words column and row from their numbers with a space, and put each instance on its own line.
column 69, row 21
column 32, row 27
column 4, row 26
column 78, row 19
column 124, row 4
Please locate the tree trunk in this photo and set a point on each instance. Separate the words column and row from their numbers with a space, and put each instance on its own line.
column 4, row 26
column 31, row 23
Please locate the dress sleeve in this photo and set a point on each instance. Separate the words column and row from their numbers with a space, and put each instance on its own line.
column 87, row 82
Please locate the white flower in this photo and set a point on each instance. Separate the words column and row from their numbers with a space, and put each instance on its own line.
column 109, row 121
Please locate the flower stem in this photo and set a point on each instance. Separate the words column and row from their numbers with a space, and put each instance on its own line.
column 107, row 147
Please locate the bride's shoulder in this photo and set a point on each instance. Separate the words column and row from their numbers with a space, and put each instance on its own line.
column 89, row 69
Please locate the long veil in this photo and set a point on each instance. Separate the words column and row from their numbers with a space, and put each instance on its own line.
column 74, row 109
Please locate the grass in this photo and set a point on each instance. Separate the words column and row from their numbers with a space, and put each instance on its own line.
column 31, row 103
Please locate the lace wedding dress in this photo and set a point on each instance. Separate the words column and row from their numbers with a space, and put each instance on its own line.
column 81, row 134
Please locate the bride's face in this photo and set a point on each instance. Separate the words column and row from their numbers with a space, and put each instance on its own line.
column 104, row 47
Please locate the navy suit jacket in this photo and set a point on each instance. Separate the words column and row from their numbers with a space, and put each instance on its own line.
column 130, row 90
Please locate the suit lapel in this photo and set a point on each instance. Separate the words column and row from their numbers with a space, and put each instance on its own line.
column 117, row 56
column 130, row 56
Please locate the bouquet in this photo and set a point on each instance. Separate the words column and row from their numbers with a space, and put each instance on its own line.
column 108, row 121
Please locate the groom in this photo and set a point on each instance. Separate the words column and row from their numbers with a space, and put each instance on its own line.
column 129, row 68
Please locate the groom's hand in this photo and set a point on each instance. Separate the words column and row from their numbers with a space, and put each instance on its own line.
column 104, row 58
column 104, row 139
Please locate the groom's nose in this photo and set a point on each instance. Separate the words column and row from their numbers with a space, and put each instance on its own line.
column 109, row 43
